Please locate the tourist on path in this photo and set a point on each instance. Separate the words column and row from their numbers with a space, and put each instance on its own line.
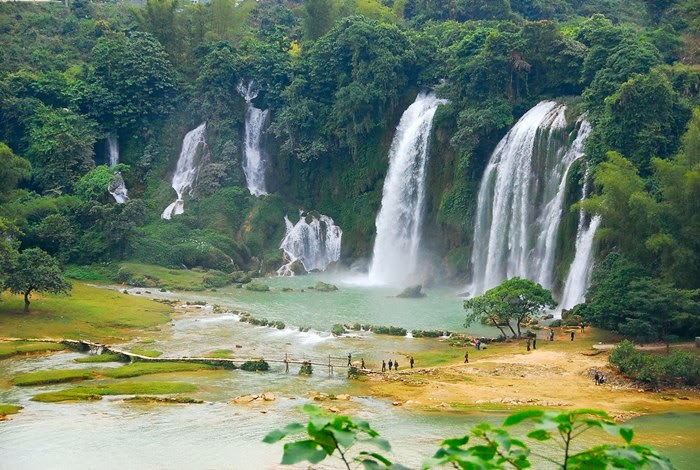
column 551, row 334
column 572, row 335
column 411, row 361
column 383, row 366
column 477, row 343
column 534, row 342
column 528, row 344
column 349, row 359
column 396, row 365
column 362, row 364
column 391, row 364
column 466, row 357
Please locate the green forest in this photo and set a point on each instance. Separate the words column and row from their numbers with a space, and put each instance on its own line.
column 336, row 75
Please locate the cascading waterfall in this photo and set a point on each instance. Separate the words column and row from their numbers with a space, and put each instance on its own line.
column 253, row 157
column 314, row 241
column 579, row 277
column 395, row 255
column 193, row 145
column 521, row 199
column 116, row 187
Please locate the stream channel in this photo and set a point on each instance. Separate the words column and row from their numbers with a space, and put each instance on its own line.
column 114, row 434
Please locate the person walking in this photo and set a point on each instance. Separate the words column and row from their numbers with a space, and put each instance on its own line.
column 349, row 359
column 572, row 336
column 551, row 334
column 528, row 344
column 383, row 366
column 534, row 342
column 411, row 361
column 466, row 357
column 362, row 364
column 396, row 365
column 391, row 364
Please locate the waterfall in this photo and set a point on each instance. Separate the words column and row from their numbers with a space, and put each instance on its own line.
column 113, row 150
column 314, row 242
column 253, row 157
column 579, row 276
column 521, row 199
column 187, row 167
column 116, row 186
column 395, row 255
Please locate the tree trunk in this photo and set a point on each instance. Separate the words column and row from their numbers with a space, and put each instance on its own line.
column 26, row 301
column 495, row 323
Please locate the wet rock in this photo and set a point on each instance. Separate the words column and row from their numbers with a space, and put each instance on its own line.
column 343, row 396
column 267, row 396
column 245, row 399
column 413, row 292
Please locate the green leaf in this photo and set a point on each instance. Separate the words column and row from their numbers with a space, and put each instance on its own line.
column 344, row 438
column 301, row 451
column 279, row 434
column 626, row 434
column 379, row 442
column 522, row 416
column 379, row 457
column 456, row 442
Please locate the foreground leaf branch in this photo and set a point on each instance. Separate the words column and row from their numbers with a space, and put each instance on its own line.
column 492, row 447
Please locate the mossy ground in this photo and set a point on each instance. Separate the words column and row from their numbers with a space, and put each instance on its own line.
column 96, row 392
column 88, row 313
column 15, row 348
column 6, row 409
column 167, row 278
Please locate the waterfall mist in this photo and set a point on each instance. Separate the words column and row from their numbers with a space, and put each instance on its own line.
column 187, row 168
column 116, row 187
column 396, row 246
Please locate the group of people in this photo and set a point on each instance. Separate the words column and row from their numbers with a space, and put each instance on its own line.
column 395, row 364
column 599, row 378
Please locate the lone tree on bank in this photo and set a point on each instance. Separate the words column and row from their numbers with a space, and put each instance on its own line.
column 35, row 270
column 514, row 301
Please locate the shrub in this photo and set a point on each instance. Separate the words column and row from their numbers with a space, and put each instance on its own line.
column 338, row 330
column 254, row 366
column 257, row 286
column 306, row 368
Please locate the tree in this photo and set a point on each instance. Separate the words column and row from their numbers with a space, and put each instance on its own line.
column 35, row 270
column 515, row 300
column 61, row 147
column 12, row 169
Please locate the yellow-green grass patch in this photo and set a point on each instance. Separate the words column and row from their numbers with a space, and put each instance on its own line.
column 6, row 409
column 96, row 392
column 144, row 368
column 147, row 352
column 88, row 313
column 46, row 377
column 15, row 348
column 221, row 354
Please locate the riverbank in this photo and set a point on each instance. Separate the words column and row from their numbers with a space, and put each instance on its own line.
column 559, row 374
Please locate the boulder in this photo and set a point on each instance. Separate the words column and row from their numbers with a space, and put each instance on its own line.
column 268, row 396
column 343, row 396
column 413, row 292
column 245, row 399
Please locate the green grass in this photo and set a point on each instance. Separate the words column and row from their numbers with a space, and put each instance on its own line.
column 89, row 313
column 123, row 388
column 15, row 348
column 147, row 352
column 144, row 368
column 148, row 399
column 167, row 278
column 9, row 410
column 46, row 377
column 107, row 357
column 221, row 354
column 92, row 273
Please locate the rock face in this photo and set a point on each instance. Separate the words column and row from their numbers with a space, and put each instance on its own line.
column 413, row 292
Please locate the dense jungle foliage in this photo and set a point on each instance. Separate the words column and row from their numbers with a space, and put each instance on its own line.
column 336, row 76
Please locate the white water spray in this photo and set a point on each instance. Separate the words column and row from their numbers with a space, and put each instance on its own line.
column 116, row 187
column 579, row 277
column 193, row 145
column 254, row 161
column 396, row 247
column 313, row 241
column 521, row 199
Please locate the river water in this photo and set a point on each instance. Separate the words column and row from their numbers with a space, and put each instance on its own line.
column 114, row 434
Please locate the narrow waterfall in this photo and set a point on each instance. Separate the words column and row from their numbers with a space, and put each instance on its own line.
column 113, row 150
column 116, row 186
column 521, row 199
column 579, row 276
column 193, row 145
column 253, row 157
column 314, row 242
column 395, row 256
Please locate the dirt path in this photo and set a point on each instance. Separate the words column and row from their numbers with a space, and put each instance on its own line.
column 538, row 378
